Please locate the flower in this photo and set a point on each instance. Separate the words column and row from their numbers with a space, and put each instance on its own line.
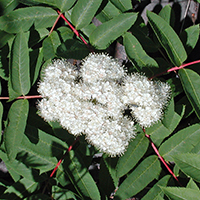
column 145, row 98
column 92, row 101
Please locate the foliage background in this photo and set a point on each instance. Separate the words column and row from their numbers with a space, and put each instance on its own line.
column 31, row 148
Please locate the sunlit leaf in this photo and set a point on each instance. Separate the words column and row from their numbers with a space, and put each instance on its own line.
column 177, row 193
column 107, row 32
column 181, row 142
column 136, row 53
column 109, row 12
column 168, row 15
column 145, row 172
column 64, row 5
column 20, row 189
column 155, row 192
column 80, row 176
column 123, row 5
column 189, row 163
column 23, row 18
column 189, row 37
column 83, row 12
column 50, row 45
column 135, row 151
column 19, row 68
column 191, row 184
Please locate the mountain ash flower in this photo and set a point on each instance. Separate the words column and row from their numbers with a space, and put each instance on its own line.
column 92, row 101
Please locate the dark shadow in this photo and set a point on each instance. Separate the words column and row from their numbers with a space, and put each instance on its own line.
column 32, row 134
column 72, row 48
column 177, row 9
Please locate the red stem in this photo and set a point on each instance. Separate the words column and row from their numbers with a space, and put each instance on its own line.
column 54, row 24
column 160, row 157
column 176, row 68
column 73, row 29
column 23, row 97
column 59, row 162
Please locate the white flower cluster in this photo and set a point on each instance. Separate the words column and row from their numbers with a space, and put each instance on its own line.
column 92, row 101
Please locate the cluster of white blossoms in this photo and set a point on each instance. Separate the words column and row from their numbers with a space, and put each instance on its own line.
column 93, row 100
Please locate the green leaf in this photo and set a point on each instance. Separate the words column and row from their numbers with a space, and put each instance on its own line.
column 171, row 118
column 158, row 133
column 167, row 38
column 65, row 33
column 176, row 193
column 50, row 45
column 145, row 172
column 88, row 29
column 123, row 5
column 191, row 184
column 17, row 169
column 189, row 163
column 35, row 67
column 111, row 165
column 168, row 15
column 12, row 94
column 14, row 131
column 38, row 197
column 189, row 37
column 181, row 142
column 141, row 32
column 64, row 5
column 20, row 189
column 155, row 192
column 135, row 151
column 73, row 49
column 23, row 18
column 188, row 107
column 62, row 194
column 7, row 6
column 190, row 81
column 107, row 32
column 1, row 114
column 39, row 2
column 4, row 64
column 19, row 67
column 109, row 12
column 106, row 182
column 36, row 36
column 164, row 128
column 80, row 176
column 4, row 37
column 136, row 53
column 83, row 12
column 32, row 149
